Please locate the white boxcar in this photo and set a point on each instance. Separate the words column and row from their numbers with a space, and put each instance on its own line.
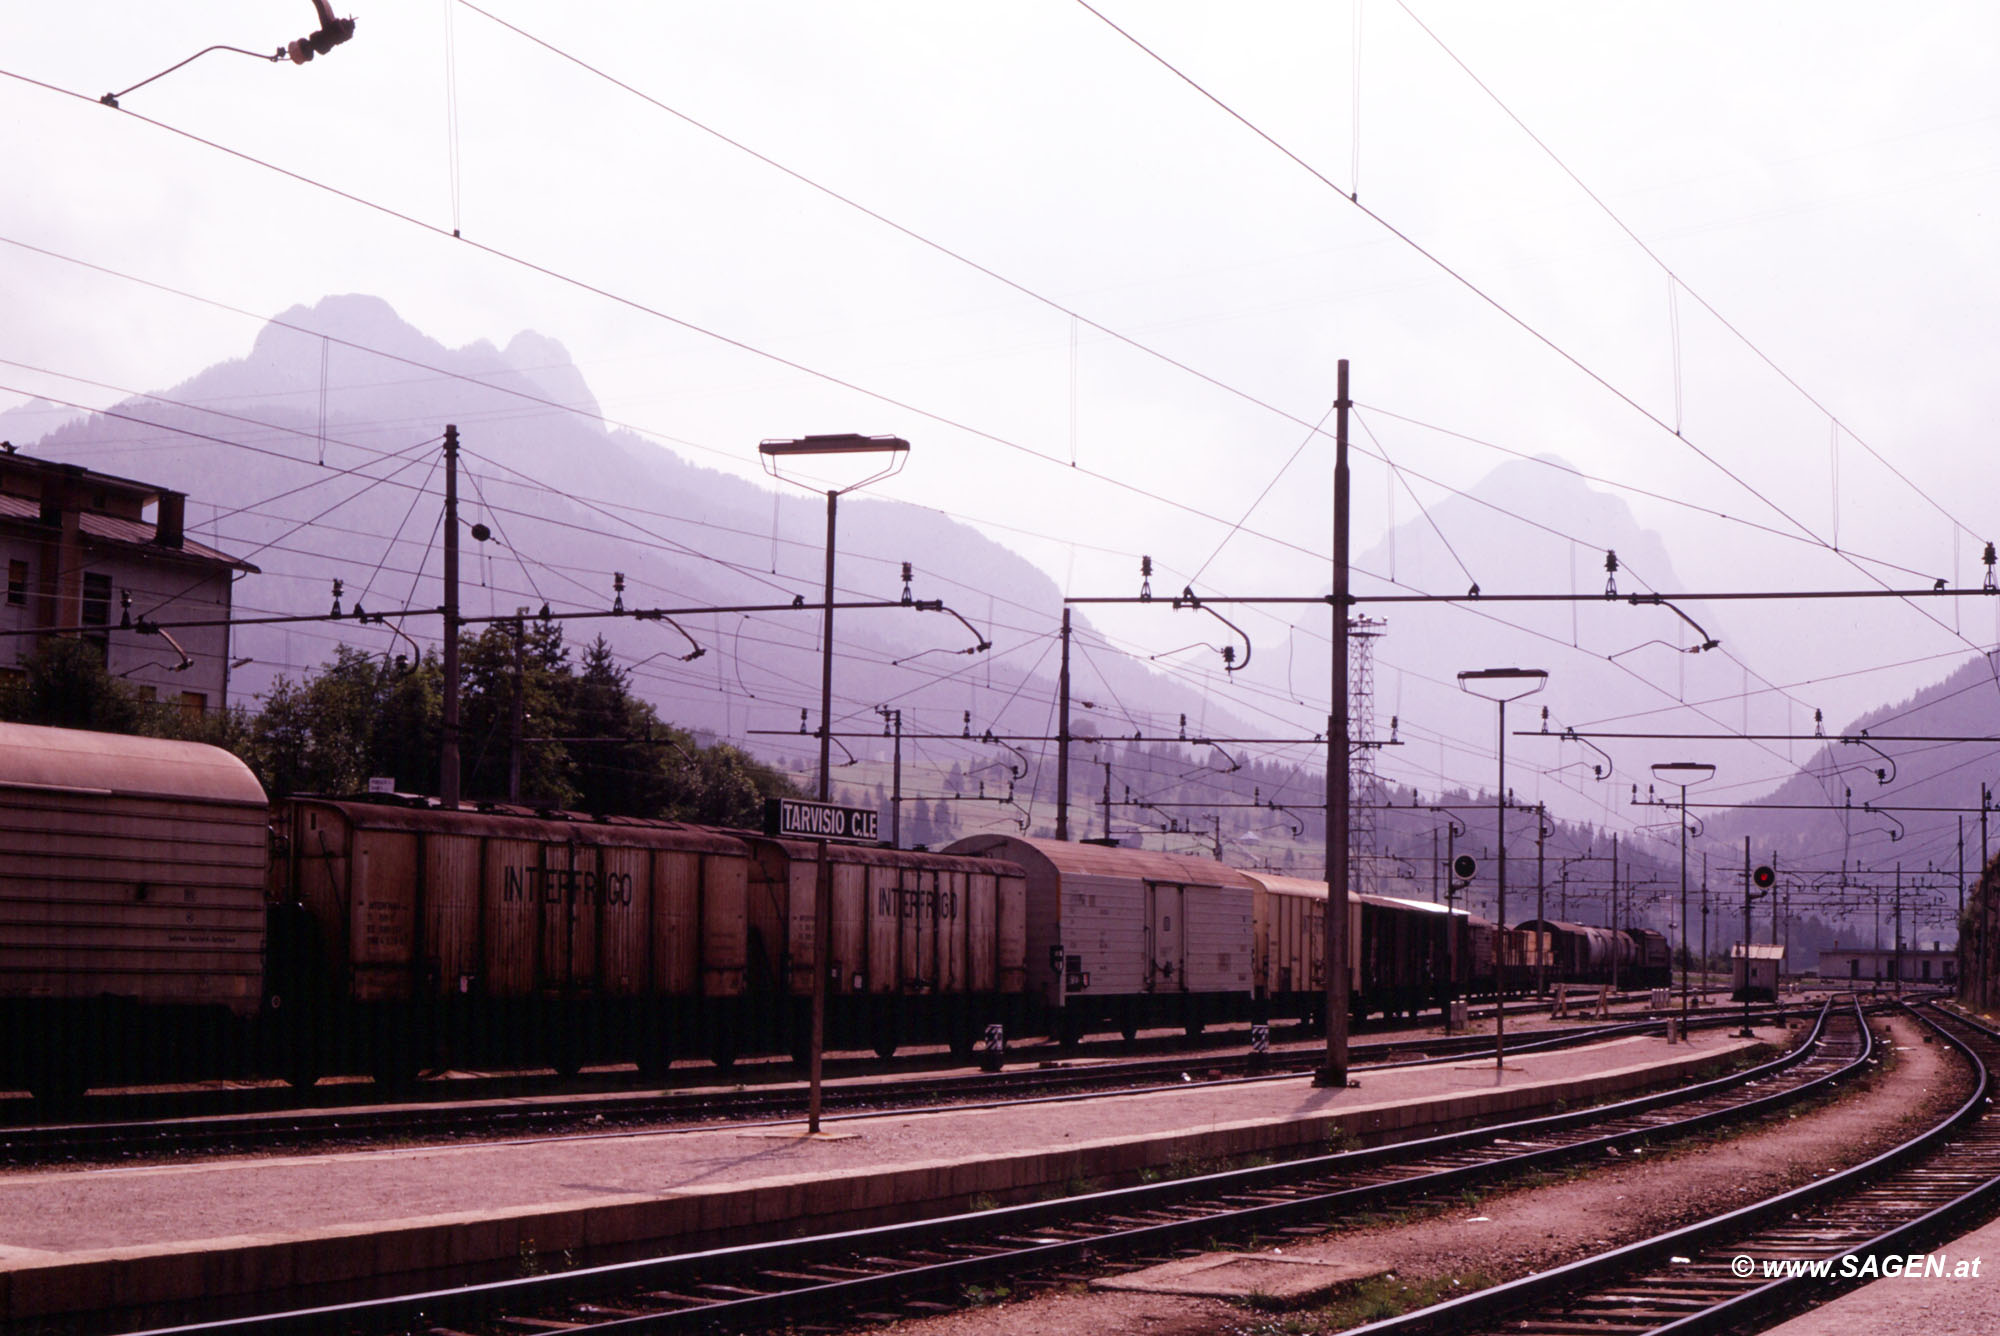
column 132, row 905
column 1124, row 938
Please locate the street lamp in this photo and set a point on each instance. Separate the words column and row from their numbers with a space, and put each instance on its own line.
column 772, row 453
column 1684, row 775
column 1501, row 685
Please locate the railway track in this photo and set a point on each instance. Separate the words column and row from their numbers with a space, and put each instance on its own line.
column 1713, row 1277
column 894, row 1269
column 611, row 1114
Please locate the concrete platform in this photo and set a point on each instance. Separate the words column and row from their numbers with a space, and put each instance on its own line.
column 318, row 1228
column 1964, row 1301
column 1275, row 1280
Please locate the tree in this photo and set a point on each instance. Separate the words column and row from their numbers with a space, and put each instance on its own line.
column 527, row 656
column 64, row 685
column 359, row 717
column 588, row 742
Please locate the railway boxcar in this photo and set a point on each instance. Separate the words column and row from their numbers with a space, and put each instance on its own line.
column 1407, row 954
column 406, row 932
column 922, row 947
column 1123, row 938
column 1289, row 946
column 132, row 897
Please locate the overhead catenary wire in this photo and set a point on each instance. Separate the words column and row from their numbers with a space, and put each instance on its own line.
column 1500, row 307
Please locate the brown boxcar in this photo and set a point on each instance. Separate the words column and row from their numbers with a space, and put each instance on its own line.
column 1289, row 914
column 132, row 898
column 418, row 935
column 922, row 947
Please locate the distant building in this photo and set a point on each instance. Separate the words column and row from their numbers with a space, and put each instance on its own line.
column 1878, row 964
column 93, row 555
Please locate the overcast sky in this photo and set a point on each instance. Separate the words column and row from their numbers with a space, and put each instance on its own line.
column 1818, row 177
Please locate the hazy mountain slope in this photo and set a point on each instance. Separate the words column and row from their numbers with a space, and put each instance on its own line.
column 295, row 476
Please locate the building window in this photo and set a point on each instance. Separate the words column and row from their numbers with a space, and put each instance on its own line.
column 17, row 583
column 97, row 610
column 193, row 703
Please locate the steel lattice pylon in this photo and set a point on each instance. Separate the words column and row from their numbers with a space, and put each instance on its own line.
column 1364, row 786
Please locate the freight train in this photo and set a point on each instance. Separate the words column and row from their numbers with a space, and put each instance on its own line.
column 158, row 917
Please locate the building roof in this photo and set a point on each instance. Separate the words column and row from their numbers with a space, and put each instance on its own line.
column 1934, row 949
column 117, row 532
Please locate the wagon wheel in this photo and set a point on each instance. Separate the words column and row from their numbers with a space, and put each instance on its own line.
column 302, row 1068
column 653, row 1054
column 57, row 1082
column 394, row 1066
column 395, row 1058
column 1069, row 1030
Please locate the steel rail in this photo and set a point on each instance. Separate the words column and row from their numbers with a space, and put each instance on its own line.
column 1002, row 1243
column 1672, row 1264
column 648, row 1112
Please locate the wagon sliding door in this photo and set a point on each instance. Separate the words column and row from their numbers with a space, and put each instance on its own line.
column 1166, row 938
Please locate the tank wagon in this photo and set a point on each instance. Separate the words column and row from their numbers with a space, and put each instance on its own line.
column 1654, row 961
column 132, row 911
column 1589, row 953
column 1118, row 939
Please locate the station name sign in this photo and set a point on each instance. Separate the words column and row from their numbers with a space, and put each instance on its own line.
column 799, row 819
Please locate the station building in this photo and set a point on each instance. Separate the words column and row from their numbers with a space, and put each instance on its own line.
column 107, row 558
column 1885, row 964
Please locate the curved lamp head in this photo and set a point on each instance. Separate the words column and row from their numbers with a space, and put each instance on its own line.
column 1683, row 774
column 773, row 453
column 1503, row 684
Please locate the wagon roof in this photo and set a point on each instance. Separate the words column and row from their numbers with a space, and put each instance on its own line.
column 1427, row 906
column 1096, row 860
column 525, row 824
column 33, row 757
column 1284, row 885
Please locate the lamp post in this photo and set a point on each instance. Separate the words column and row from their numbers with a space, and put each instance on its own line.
column 772, row 453
column 1684, row 775
column 1501, row 685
